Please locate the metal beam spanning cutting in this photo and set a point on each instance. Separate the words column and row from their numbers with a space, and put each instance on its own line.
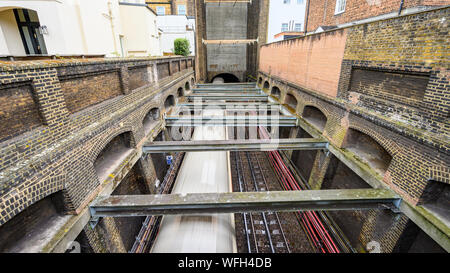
column 235, row 145
column 243, row 97
column 223, row 90
column 231, row 120
column 224, row 105
column 225, row 85
column 235, row 202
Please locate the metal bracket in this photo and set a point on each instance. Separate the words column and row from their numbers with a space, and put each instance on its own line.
column 93, row 222
column 396, row 207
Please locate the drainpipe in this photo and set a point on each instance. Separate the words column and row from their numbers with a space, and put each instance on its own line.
column 112, row 26
column 307, row 16
column 401, row 7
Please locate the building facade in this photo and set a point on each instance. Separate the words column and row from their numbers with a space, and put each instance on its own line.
column 173, row 27
column 77, row 27
column 286, row 19
column 326, row 14
column 173, row 7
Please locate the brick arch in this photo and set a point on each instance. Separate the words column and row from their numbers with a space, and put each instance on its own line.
column 92, row 155
column 296, row 96
column 382, row 141
column 439, row 173
column 22, row 204
column 146, row 109
column 172, row 93
column 279, row 89
column 318, row 106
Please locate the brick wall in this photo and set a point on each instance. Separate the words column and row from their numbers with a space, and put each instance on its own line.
column 392, row 87
column 322, row 12
column 19, row 111
column 59, row 155
column 86, row 90
column 313, row 62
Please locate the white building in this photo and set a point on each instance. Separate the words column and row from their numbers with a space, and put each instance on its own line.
column 286, row 19
column 77, row 27
column 173, row 27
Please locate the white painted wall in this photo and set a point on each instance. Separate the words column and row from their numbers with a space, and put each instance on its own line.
column 8, row 26
column 139, row 31
column 173, row 27
column 82, row 27
column 279, row 13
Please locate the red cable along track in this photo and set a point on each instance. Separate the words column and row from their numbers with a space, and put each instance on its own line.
column 316, row 231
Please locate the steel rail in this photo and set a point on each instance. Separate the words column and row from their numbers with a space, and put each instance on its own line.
column 263, row 214
column 276, row 213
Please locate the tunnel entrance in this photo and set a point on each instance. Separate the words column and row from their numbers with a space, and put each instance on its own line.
column 225, row 78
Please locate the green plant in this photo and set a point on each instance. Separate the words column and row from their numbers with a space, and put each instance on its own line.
column 181, row 46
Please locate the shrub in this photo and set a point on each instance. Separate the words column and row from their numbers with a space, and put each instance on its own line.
column 181, row 46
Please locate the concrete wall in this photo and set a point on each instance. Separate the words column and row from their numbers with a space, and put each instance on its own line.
column 226, row 22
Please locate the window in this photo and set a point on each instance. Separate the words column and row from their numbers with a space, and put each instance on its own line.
column 284, row 27
column 298, row 27
column 340, row 6
column 286, row 1
column 300, row 2
column 160, row 10
column 181, row 9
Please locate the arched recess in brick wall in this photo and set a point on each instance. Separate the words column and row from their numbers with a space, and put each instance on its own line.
column 291, row 101
column 25, row 227
column 192, row 82
column 315, row 116
column 170, row 101
column 112, row 155
column 275, row 92
column 187, row 86
column 180, row 92
column 260, row 80
column 435, row 197
column 266, row 85
column 150, row 119
column 368, row 149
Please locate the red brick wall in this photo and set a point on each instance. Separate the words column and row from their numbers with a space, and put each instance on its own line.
column 321, row 12
column 313, row 62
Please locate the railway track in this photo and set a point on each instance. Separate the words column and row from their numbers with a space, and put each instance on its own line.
column 263, row 231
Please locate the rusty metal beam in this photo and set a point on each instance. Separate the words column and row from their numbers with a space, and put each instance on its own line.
column 235, row 145
column 235, row 202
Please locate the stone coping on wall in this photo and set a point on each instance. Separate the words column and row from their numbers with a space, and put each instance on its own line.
column 426, row 138
column 23, row 65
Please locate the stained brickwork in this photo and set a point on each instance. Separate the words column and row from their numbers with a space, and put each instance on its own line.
column 60, row 154
column 19, row 111
column 86, row 90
